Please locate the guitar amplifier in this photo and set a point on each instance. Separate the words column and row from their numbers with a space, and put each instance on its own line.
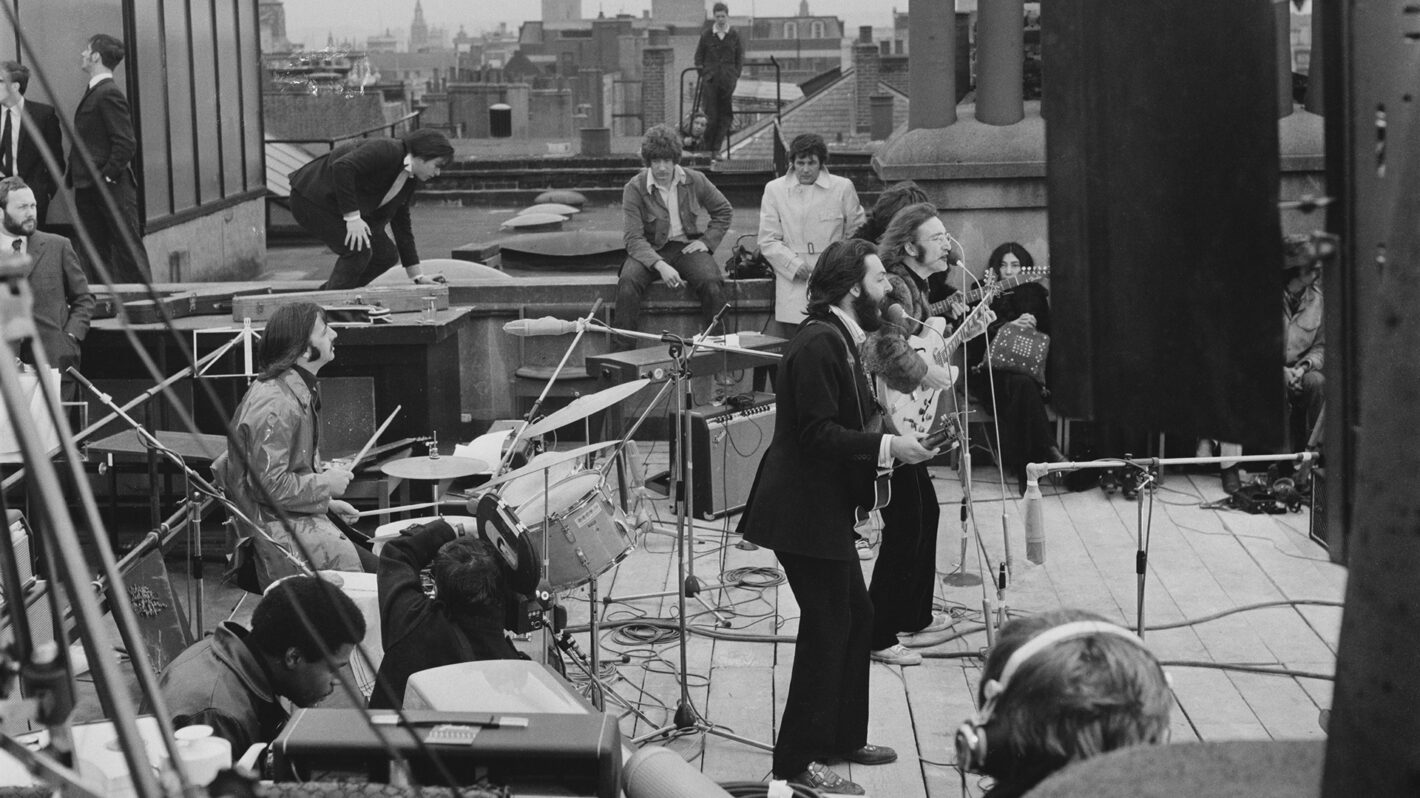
column 726, row 446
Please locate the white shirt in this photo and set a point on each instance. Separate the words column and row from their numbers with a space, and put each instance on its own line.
column 97, row 79
column 855, row 332
column 796, row 223
column 15, row 114
column 7, row 243
column 671, row 197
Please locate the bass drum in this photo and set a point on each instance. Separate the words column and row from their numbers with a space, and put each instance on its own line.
column 585, row 534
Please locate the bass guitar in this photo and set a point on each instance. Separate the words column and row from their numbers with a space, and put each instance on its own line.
column 882, row 483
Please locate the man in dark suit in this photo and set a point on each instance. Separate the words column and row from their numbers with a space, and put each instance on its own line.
column 23, row 125
column 347, row 197
column 104, row 125
column 818, row 469
column 62, row 302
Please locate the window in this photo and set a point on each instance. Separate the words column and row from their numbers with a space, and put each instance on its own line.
column 791, row 30
column 816, row 29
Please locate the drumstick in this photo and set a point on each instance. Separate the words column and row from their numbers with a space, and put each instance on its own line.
column 375, row 437
column 383, row 510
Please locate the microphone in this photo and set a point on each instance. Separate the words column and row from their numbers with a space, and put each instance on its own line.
column 662, row 773
column 547, row 325
column 1035, row 521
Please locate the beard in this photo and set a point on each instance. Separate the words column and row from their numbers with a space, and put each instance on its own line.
column 22, row 229
column 869, row 312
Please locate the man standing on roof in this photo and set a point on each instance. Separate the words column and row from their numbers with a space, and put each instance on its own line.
column 720, row 56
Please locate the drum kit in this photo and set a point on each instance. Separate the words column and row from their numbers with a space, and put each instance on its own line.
column 559, row 501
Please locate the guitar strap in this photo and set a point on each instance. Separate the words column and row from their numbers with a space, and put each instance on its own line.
column 853, row 363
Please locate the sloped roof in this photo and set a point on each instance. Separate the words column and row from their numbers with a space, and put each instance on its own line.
column 281, row 161
column 828, row 112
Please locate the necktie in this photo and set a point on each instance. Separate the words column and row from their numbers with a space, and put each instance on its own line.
column 6, row 138
column 394, row 189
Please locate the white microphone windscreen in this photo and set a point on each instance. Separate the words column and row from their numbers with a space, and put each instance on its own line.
column 657, row 772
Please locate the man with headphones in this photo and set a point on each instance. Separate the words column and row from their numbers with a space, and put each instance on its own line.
column 1059, row 687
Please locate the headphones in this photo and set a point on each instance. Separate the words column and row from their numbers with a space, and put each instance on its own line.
column 970, row 740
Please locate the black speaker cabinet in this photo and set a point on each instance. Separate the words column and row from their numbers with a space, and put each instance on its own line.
column 726, row 446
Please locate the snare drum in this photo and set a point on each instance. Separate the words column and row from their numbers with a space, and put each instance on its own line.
column 586, row 534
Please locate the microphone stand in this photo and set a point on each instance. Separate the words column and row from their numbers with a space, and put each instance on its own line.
column 687, row 717
column 512, row 446
column 1035, row 530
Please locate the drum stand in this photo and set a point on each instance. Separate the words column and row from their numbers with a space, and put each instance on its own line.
column 687, row 718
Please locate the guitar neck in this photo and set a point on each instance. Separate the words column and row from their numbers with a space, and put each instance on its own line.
column 977, row 294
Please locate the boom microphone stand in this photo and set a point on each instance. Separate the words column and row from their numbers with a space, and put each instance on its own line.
column 687, row 717
column 1035, row 530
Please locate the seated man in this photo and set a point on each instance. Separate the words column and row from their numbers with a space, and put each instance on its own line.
column 464, row 621
column 692, row 136
column 1303, row 352
column 231, row 681
column 660, row 208
column 1059, row 687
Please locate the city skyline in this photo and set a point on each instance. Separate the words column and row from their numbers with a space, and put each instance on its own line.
column 309, row 22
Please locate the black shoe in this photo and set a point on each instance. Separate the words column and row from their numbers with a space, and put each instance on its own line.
column 1232, row 482
column 1109, row 483
column 1055, row 455
column 871, row 755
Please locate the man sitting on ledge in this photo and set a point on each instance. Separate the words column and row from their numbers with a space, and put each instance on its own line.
column 231, row 681
column 464, row 622
column 660, row 208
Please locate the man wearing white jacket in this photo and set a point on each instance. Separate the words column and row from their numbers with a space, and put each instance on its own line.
column 800, row 215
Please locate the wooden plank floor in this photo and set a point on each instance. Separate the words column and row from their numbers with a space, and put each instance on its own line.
column 1202, row 563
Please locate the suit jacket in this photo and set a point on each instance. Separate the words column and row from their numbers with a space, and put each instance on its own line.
column 62, row 302
column 104, row 123
column 820, row 464
column 646, row 222
column 41, row 123
column 354, row 177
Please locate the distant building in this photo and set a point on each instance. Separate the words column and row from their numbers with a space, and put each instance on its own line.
column 382, row 43
column 418, row 29
column 689, row 12
column 271, row 15
column 804, row 45
column 561, row 10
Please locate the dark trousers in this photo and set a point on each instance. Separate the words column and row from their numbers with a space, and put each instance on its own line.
column 826, row 713
column 905, row 575
column 698, row 269
column 1026, row 434
column 353, row 268
column 719, row 112
column 124, row 265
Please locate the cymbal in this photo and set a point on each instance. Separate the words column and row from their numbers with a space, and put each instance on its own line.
column 549, row 460
column 584, row 406
column 433, row 468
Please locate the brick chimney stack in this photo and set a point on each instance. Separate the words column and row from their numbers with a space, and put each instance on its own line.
column 866, row 68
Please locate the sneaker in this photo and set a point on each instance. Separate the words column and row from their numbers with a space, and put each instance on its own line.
column 817, row 776
column 940, row 623
column 865, row 548
column 897, row 655
column 924, row 639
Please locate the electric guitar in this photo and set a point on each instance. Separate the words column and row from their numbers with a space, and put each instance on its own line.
column 995, row 287
column 912, row 413
column 882, row 483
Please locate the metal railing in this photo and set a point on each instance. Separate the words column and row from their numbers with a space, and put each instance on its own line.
column 683, row 122
column 411, row 119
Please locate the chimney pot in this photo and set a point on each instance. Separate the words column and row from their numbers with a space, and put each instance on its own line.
column 865, row 34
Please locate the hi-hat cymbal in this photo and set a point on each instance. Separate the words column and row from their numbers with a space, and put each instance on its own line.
column 433, row 468
column 584, row 406
column 549, row 459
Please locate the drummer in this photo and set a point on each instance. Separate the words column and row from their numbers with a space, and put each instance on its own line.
column 474, row 589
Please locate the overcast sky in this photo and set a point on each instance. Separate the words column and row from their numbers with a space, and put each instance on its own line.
column 308, row 21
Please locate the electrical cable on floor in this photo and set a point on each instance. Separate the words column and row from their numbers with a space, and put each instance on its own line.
column 759, row 789
column 1235, row 666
